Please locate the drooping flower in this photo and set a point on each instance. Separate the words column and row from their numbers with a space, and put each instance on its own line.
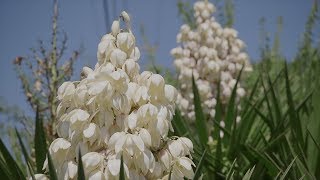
column 115, row 111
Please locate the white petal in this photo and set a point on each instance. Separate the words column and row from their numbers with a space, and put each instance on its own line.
column 119, row 143
column 114, row 166
column 96, row 175
column 72, row 169
column 90, row 130
column 187, row 142
column 175, row 148
column 91, row 161
column 138, row 142
column 132, row 120
column 145, row 136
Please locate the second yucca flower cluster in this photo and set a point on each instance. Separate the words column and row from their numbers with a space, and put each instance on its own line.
column 115, row 111
column 214, row 56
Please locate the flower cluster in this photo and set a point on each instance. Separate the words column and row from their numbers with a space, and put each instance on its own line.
column 115, row 111
column 213, row 55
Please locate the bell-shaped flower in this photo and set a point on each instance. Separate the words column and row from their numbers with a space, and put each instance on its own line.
column 113, row 169
column 135, row 54
column 165, row 158
column 59, row 150
column 146, row 113
column 91, row 133
column 131, row 68
column 118, row 57
column 96, row 175
column 180, row 147
column 126, row 42
column 92, row 161
column 66, row 91
column 121, row 141
column 145, row 136
column 144, row 78
column 69, row 170
column 182, row 168
column 132, row 120
column 115, row 28
column 170, row 93
column 141, row 96
column 120, row 80
column 120, row 104
column 145, row 161
column 105, row 47
column 78, row 118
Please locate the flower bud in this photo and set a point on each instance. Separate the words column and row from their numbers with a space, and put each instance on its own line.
column 126, row 42
column 125, row 16
column 115, row 28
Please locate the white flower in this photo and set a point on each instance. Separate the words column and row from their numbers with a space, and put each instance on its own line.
column 65, row 91
column 135, row 54
column 131, row 68
column 125, row 16
column 92, row 161
column 213, row 55
column 96, row 175
column 183, row 168
column 166, row 158
column 115, row 28
column 113, row 168
column 59, row 150
column 105, row 48
column 118, row 57
column 126, row 42
column 77, row 118
column 117, row 111
column 121, row 141
column 91, row 133
column 70, row 170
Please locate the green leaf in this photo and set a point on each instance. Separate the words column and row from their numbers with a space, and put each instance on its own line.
column 274, row 100
column 304, row 171
column 180, row 126
column 313, row 132
column 231, row 170
column 248, row 174
column 52, row 169
column 294, row 118
column 25, row 154
column 122, row 175
column 283, row 176
column 231, row 107
column 4, row 171
column 252, row 93
column 81, row 175
column 40, row 145
column 11, row 164
column 269, row 163
column 218, row 115
column 200, row 122
column 199, row 166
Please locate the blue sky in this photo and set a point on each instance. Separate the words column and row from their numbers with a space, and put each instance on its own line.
column 22, row 23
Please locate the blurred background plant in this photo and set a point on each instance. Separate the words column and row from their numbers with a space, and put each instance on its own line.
column 277, row 138
column 40, row 75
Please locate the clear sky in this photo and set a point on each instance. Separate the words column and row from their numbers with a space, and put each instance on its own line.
column 22, row 23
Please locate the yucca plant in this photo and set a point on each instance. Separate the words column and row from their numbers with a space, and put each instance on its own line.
column 278, row 136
